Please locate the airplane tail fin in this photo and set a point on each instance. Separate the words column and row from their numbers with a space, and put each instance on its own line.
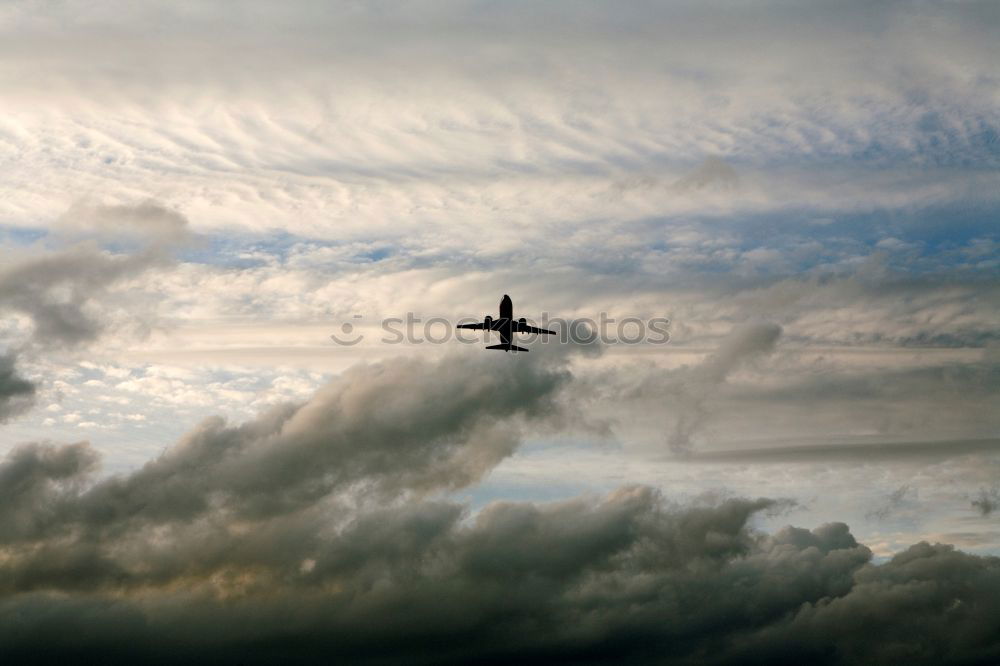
column 507, row 348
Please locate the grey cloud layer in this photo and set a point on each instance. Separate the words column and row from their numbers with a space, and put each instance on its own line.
column 382, row 430
column 626, row 578
column 249, row 543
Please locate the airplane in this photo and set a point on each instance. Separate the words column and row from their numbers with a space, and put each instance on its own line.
column 506, row 326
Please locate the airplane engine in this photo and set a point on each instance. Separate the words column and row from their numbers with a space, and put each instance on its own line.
column 522, row 322
column 489, row 322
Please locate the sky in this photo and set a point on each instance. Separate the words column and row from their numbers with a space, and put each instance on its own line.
column 201, row 202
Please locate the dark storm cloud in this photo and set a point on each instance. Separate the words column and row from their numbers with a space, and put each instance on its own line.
column 34, row 479
column 380, row 430
column 58, row 289
column 310, row 534
column 929, row 604
column 625, row 578
column 16, row 392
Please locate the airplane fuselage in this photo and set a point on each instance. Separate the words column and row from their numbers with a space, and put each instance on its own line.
column 506, row 326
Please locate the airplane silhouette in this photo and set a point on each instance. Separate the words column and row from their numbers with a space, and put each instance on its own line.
column 506, row 326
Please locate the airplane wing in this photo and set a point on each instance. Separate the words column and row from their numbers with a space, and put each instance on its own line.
column 474, row 326
column 524, row 328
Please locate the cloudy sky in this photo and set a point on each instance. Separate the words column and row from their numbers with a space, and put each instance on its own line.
column 196, row 195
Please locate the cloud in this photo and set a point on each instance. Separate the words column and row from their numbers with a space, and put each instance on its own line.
column 742, row 345
column 626, row 577
column 58, row 289
column 149, row 222
column 344, row 122
column 33, row 478
column 16, row 393
column 383, row 430
column 928, row 604
column 318, row 530
column 61, row 291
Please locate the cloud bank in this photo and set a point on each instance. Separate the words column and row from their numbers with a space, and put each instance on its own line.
column 316, row 531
